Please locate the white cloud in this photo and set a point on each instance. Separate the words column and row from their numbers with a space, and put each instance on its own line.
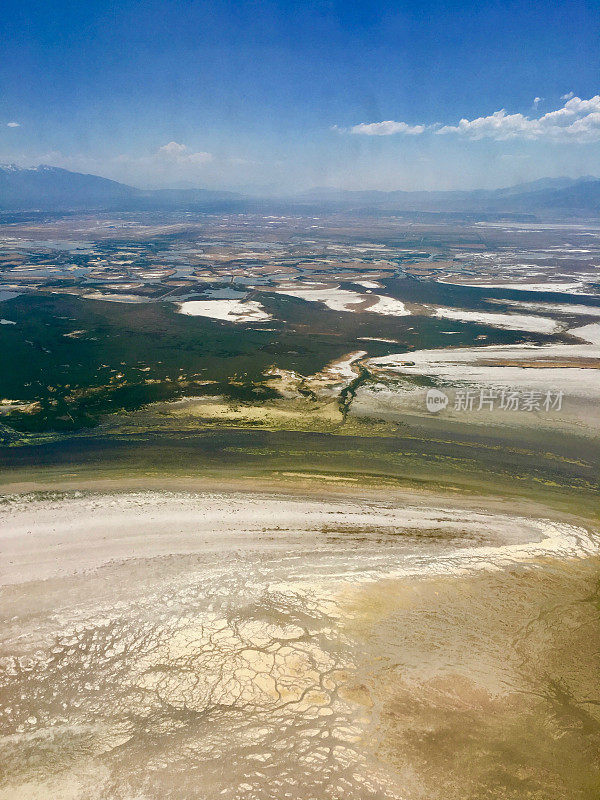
column 577, row 121
column 13, row 124
column 567, row 96
column 387, row 128
column 181, row 154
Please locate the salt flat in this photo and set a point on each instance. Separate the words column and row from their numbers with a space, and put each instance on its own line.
column 492, row 365
column 247, row 645
column 228, row 310
column 43, row 539
column 511, row 322
column 345, row 300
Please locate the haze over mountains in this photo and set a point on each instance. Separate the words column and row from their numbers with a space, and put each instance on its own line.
column 52, row 188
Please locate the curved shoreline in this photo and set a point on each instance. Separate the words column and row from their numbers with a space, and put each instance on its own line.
column 44, row 536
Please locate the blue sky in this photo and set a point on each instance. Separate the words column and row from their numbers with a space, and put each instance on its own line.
column 282, row 96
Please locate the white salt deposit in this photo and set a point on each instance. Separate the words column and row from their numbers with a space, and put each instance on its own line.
column 512, row 322
column 226, row 310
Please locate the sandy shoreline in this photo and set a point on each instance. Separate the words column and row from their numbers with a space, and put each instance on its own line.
column 42, row 538
column 287, row 484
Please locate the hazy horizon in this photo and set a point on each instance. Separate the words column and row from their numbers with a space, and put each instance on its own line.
column 269, row 192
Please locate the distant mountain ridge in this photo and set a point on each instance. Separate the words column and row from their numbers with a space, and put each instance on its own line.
column 36, row 187
column 542, row 193
column 53, row 188
column 43, row 184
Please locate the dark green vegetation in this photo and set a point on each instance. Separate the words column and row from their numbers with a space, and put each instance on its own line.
column 82, row 379
column 79, row 359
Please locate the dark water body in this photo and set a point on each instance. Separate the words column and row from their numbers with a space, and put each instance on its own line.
column 446, row 453
column 7, row 294
column 475, row 297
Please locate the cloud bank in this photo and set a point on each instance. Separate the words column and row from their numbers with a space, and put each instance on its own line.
column 576, row 121
column 387, row 128
column 181, row 154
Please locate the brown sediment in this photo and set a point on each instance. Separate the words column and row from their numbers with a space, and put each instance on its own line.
column 266, row 654
column 486, row 686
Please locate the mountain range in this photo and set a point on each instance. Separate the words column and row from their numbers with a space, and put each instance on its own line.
column 48, row 188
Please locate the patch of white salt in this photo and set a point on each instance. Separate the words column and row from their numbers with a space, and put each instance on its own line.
column 589, row 333
column 226, row 310
column 511, row 322
column 344, row 300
